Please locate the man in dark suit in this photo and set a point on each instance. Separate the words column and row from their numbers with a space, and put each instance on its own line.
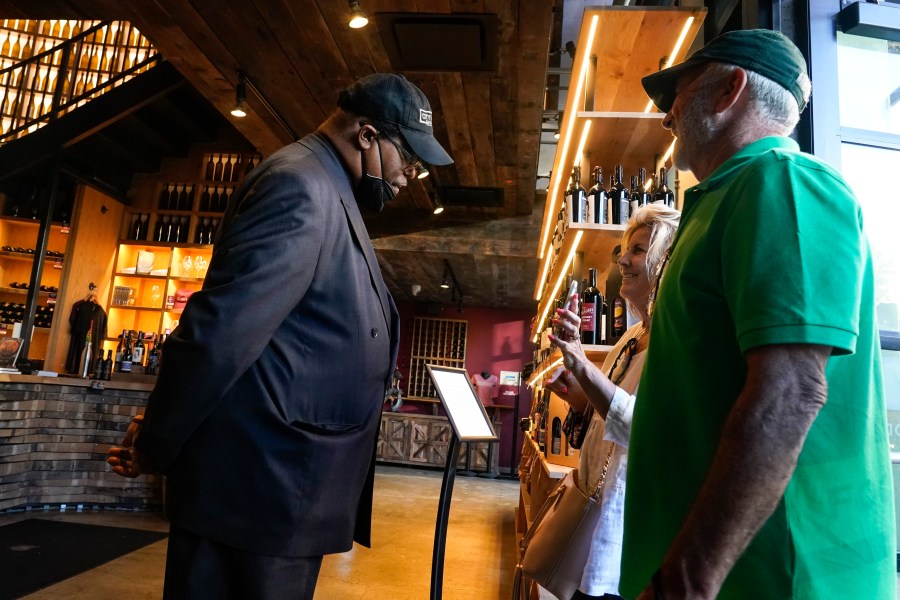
column 266, row 412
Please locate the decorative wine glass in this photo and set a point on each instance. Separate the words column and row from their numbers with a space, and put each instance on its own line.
column 187, row 264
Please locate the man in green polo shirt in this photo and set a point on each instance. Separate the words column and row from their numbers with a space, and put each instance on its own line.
column 758, row 465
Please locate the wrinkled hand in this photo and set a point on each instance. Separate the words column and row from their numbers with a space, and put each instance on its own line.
column 125, row 460
column 568, row 337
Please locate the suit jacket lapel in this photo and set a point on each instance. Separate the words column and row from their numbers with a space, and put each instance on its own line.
column 357, row 227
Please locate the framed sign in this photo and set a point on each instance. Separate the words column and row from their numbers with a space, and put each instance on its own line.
column 466, row 413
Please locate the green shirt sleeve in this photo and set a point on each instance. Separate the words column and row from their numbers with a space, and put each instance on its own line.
column 791, row 265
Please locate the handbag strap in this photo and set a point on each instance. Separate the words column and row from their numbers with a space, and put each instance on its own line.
column 595, row 495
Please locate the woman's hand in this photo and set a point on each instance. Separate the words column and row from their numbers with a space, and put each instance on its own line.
column 562, row 383
column 568, row 338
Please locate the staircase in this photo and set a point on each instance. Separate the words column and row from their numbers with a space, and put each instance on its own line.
column 98, row 98
column 52, row 67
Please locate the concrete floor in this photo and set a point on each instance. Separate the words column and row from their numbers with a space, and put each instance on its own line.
column 479, row 561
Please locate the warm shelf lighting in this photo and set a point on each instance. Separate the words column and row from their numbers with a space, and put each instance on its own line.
column 678, row 43
column 579, row 156
column 537, row 376
column 358, row 17
column 669, row 152
column 562, row 153
column 648, row 184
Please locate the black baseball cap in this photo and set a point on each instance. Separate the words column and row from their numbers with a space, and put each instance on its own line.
column 393, row 99
column 769, row 53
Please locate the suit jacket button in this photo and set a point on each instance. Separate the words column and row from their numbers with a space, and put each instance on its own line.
column 374, row 332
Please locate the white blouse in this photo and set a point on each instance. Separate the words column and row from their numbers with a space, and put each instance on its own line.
column 601, row 573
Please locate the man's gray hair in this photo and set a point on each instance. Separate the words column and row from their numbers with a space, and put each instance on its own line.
column 772, row 102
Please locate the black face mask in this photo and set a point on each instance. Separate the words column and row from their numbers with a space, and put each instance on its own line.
column 372, row 192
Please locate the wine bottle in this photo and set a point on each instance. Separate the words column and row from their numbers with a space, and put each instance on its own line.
column 136, row 227
column 634, row 196
column 227, row 168
column 238, row 169
column 137, row 353
column 597, row 198
column 184, row 200
column 209, row 169
column 204, row 200
column 618, row 197
column 591, row 310
column 214, row 200
column 217, row 175
column 164, row 197
column 86, row 353
column 152, row 367
column 223, row 199
column 663, row 194
column 618, row 320
column 108, row 366
column 577, row 198
column 98, row 366
column 125, row 365
column 645, row 197
column 120, row 350
column 556, row 439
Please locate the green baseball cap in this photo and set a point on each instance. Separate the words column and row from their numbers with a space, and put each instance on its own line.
column 769, row 53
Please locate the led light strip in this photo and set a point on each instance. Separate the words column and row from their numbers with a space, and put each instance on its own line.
column 540, row 374
column 675, row 50
column 579, row 88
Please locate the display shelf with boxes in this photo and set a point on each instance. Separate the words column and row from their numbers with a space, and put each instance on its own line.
column 151, row 284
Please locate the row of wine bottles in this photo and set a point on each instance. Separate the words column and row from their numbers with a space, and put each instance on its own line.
column 540, row 420
column 131, row 351
column 11, row 312
column 613, row 206
column 180, row 196
column 229, row 167
column 173, row 229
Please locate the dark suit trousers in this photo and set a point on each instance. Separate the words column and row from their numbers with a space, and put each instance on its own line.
column 200, row 569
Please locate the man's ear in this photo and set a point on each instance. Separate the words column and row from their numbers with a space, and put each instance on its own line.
column 366, row 136
column 731, row 90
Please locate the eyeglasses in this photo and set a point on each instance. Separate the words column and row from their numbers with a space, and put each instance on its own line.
column 413, row 164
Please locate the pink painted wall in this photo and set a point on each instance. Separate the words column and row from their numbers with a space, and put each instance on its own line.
column 497, row 340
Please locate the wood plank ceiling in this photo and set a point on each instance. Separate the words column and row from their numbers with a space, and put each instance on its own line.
column 300, row 53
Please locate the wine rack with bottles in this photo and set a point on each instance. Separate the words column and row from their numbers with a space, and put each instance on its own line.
column 435, row 342
column 18, row 238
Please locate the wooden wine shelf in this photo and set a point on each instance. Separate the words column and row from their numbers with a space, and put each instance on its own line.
column 435, row 342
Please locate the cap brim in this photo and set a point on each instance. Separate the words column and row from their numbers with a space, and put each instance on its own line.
column 426, row 147
column 660, row 86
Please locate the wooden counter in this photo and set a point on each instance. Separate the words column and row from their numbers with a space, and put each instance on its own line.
column 54, row 434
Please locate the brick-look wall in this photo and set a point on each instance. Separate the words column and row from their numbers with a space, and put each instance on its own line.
column 54, row 435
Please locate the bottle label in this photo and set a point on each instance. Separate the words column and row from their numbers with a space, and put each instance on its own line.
column 587, row 316
column 138, row 355
column 603, row 329
column 126, row 366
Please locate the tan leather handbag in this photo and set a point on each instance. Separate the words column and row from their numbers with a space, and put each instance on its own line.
column 555, row 548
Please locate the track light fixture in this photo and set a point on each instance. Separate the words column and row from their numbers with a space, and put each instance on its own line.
column 358, row 17
column 240, row 96
column 423, row 172
column 436, row 202
column 445, row 281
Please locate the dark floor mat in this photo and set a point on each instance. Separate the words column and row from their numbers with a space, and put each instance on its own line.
column 36, row 553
